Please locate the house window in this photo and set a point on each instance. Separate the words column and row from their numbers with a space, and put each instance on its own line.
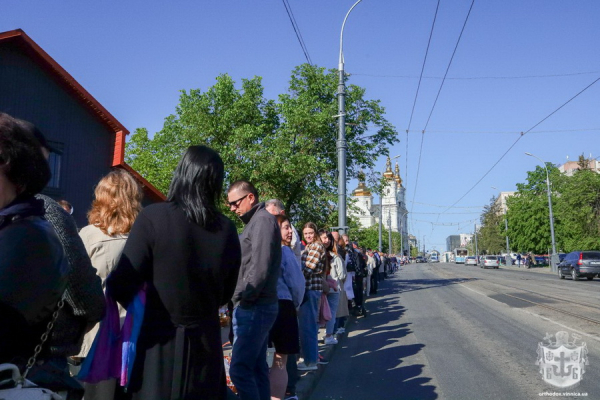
column 55, row 161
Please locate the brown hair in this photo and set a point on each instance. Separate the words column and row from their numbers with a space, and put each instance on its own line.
column 313, row 226
column 280, row 220
column 117, row 203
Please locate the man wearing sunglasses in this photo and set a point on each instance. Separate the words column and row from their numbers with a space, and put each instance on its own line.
column 255, row 296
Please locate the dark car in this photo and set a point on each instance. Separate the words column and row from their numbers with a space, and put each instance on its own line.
column 419, row 259
column 580, row 264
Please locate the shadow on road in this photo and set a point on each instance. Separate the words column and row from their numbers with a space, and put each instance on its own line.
column 400, row 285
column 379, row 358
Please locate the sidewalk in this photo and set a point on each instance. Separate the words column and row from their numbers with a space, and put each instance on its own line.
column 533, row 268
column 307, row 380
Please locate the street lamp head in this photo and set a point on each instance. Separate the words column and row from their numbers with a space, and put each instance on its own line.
column 528, row 154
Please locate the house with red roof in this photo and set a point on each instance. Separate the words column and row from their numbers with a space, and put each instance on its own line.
column 87, row 140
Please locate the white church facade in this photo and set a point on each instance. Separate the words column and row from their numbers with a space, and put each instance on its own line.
column 392, row 208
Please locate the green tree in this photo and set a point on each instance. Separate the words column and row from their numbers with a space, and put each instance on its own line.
column 528, row 214
column 369, row 238
column 579, row 211
column 491, row 234
column 286, row 147
column 414, row 251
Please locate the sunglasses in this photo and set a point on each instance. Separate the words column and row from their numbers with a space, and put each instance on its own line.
column 236, row 203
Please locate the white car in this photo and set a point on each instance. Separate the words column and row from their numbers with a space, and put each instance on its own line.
column 470, row 260
column 490, row 261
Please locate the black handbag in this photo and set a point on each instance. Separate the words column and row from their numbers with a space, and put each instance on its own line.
column 45, row 378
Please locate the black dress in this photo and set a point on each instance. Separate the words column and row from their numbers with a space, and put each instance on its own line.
column 190, row 272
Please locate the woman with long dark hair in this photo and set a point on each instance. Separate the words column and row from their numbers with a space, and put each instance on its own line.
column 188, row 255
column 290, row 291
column 335, row 275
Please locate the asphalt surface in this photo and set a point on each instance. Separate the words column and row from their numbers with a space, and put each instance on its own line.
column 446, row 331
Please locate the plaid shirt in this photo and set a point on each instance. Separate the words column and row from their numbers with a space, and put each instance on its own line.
column 313, row 258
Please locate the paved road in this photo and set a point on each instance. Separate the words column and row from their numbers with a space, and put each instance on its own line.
column 446, row 331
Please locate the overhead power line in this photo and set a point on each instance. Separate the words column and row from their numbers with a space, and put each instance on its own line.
column 512, row 132
column 519, row 138
column 449, row 64
column 419, row 84
column 436, row 205
column 457, row 78
column 290, row 14
column 436, row 99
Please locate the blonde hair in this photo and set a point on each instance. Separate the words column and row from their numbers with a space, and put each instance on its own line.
column 117, row 202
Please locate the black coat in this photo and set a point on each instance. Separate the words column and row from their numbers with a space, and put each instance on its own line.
column 32, row 277
column 190, row 273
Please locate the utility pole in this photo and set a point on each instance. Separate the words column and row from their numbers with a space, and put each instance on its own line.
column 508, row 257
column 476, row 249
column 380, row 222
column 390, row 231
column 341, row 142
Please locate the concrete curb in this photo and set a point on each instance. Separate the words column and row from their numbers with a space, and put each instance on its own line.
column 309, row 380
column 541, row 270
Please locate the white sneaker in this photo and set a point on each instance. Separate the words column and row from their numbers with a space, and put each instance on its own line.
column 340, row 331
column 310, row 367
column 330, row 340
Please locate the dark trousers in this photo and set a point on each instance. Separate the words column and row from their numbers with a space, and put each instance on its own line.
column 292, row 371
column 374, row 281
column 357, row 287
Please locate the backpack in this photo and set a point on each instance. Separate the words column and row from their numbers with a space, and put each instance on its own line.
column 361, row 266
column 352, row 263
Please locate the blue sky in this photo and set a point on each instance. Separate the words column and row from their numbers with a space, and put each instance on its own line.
column 517, row 62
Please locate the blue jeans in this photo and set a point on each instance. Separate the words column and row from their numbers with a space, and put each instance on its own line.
column 333, row 298
column 249, row 370
column 309, row 326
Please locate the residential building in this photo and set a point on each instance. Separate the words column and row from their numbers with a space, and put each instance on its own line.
column 87, row 140
column 570, row 167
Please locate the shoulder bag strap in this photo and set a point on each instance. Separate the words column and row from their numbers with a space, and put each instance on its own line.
column 44, row 337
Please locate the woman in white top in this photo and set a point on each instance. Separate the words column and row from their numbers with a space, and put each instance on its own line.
column 116, row 205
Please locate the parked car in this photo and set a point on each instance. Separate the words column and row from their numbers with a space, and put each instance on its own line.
column 580, row 264
column 489, row 261
column 470, row 260
column 419, row 259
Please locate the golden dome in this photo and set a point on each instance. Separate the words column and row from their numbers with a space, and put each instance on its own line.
column 397, row 177
column 388, row 174
column 361, row 190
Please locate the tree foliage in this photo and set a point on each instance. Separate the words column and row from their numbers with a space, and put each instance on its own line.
column 491, row 234
column 576, row 211
column 286, row 147
column 369, row 238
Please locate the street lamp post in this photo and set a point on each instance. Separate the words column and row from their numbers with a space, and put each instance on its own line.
column 341, row 142
column 380, row 225
column 390, row 232
column 507, row 259
column 553, row 259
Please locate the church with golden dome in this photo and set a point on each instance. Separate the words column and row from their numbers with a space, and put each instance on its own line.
column 392, row 207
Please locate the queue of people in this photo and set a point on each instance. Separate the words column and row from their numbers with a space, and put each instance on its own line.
column 169, row 267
